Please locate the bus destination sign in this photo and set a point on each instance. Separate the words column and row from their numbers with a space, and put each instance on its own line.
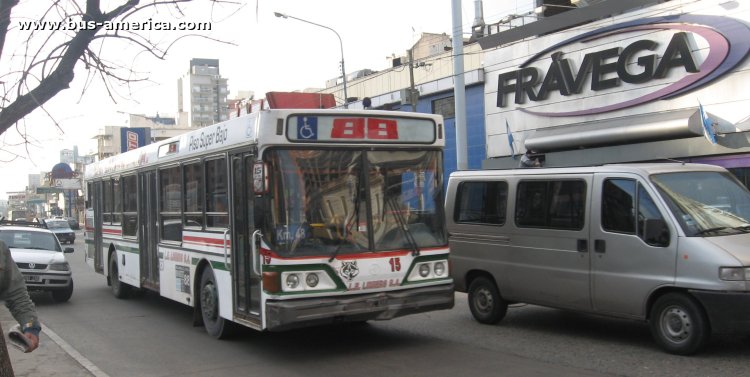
column 348, row 129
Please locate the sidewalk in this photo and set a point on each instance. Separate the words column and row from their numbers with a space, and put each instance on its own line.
column 51, row 359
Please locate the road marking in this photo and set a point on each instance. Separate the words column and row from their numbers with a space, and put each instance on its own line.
column 86, row 363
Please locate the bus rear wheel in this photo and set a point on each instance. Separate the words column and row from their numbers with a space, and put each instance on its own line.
column 209, row 300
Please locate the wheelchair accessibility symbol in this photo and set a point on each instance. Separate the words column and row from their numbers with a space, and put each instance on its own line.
column 307, row 128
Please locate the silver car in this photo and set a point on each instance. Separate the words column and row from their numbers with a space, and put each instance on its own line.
column 39, row 256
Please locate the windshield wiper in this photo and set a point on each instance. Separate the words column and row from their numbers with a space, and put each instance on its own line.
column 743, row 228
column 403, row 226
column 710, row 230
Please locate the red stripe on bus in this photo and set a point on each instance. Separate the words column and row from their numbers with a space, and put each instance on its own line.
column 205, row 241
column 382, row 254
column 112, row 231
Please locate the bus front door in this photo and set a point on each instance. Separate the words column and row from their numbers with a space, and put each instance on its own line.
column 245, row 270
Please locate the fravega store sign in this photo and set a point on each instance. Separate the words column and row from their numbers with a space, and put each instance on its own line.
column 639, row 63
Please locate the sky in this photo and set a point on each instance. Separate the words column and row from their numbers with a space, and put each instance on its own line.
column 264, row 53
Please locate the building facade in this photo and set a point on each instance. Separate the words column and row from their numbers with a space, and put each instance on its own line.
column 202, row 95
column 660, row 82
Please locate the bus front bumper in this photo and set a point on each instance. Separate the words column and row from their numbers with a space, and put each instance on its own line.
column 289, row 314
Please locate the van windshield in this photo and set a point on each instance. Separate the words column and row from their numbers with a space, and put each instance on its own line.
column 706, row 203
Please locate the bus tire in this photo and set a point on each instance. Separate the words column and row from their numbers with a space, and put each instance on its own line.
column 119, row 289
column 216, row 326
column 485, row 302
column 678, row 324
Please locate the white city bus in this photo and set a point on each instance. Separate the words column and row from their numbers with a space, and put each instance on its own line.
column 279, row 219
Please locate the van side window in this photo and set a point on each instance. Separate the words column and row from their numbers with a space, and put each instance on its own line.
column 553, row 204
column 481, row 202
column 618, row 205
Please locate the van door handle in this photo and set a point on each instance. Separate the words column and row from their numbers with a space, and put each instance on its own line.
column 583, row 246
column 600, row 246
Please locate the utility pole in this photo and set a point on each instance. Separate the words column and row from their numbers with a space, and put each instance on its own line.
column 412, row 92
column 459, row 88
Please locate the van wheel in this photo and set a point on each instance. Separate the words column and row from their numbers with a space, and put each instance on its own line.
column 485, row 302
column 119, row 289
column 679, row 325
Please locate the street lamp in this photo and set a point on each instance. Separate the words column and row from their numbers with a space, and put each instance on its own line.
column 341, row 45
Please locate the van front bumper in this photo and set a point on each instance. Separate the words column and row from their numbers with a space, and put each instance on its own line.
column 727, row 311
column 289, row 314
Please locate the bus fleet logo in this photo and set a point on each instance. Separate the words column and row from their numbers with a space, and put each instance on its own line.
column 349, row 270
column 728, row 41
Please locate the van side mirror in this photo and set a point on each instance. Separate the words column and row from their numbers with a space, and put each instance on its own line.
column 68, row 250
column 656, row 232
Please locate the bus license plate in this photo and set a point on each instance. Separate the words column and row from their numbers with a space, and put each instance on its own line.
column 33, row 279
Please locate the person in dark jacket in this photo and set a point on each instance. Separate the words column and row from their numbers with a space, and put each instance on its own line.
column 13, row 292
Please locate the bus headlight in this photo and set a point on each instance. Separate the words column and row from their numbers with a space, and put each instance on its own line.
column 439, row 269
column 307, row 281
column 312, row 280
column 435, row 269
column 424, row 270
column 292, row 281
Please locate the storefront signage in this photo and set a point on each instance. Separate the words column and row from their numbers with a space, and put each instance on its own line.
column 638, row 63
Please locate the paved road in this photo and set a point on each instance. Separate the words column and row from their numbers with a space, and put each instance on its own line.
column 152, row 336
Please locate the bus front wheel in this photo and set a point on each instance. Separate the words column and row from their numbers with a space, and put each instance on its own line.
column 119, row 289
column 209, row 300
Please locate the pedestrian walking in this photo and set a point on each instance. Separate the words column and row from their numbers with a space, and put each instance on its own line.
column 13, row 291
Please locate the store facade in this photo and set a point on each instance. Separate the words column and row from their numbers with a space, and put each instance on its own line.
column 666, row 81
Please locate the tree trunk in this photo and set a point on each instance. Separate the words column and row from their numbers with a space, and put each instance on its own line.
column 6, row 370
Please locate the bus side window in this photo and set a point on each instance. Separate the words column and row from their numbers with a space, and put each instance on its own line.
column 217, row 211
column 193, row 195
column 170, row 191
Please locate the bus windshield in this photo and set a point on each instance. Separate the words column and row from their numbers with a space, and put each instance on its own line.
column 330, row 202
column 706, row 203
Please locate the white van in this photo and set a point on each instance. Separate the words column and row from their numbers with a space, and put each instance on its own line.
column 668, row 243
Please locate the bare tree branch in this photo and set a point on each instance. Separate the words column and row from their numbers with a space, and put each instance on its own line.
column 52, row 51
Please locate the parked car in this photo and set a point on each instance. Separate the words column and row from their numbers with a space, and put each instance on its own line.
column 39, row 257
column 62, row 230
